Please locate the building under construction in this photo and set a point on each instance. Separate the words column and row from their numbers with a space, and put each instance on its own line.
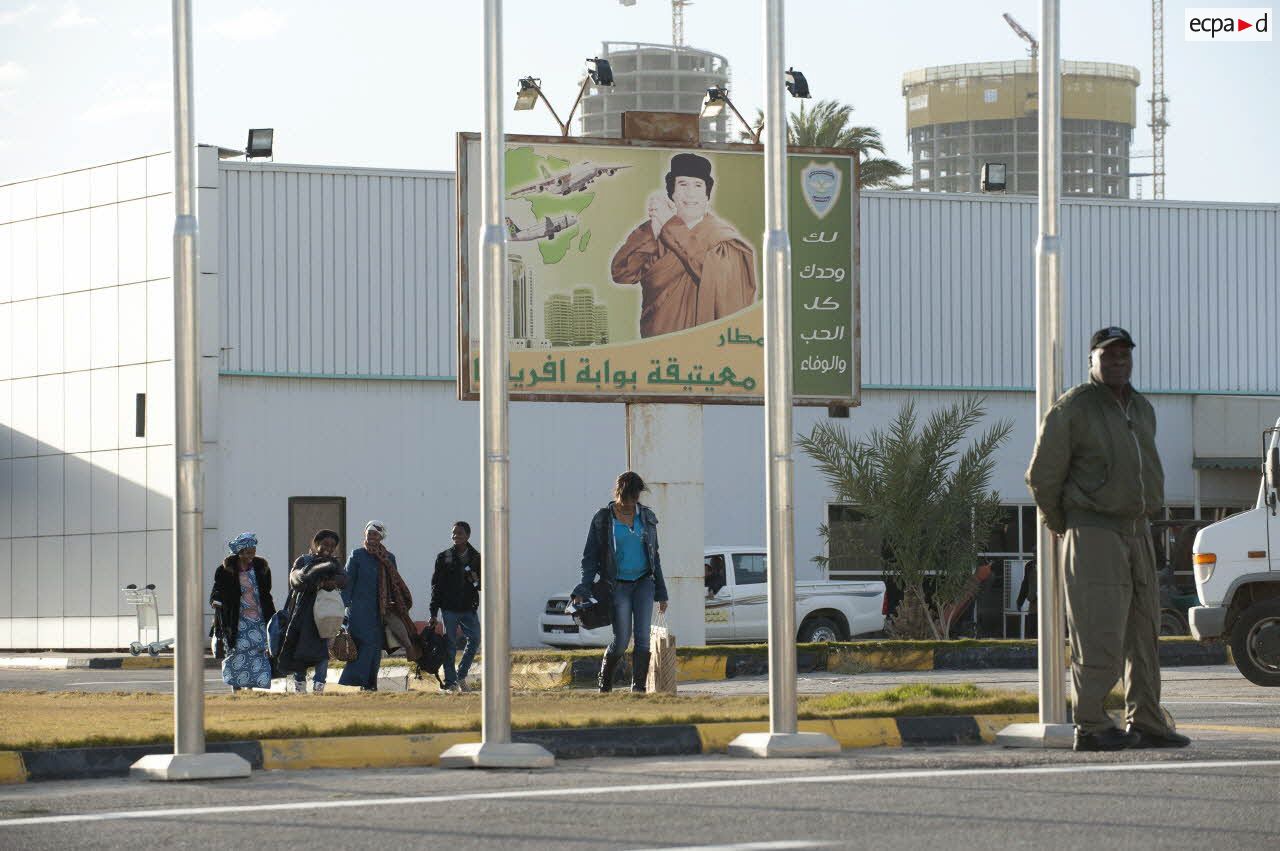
column 656, row 77
column 962, row 116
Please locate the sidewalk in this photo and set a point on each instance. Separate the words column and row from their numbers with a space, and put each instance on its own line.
column 54, row 661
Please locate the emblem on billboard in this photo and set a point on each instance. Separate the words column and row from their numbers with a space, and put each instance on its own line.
column 821, row 183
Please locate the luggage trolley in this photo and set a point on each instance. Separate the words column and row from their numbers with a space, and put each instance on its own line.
column 144, row 599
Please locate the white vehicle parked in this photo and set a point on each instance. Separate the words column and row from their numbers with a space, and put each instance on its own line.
column 737, row 608
column 1237, row 573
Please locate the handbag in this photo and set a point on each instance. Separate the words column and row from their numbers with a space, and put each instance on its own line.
column 217, row 644
column 596, row 611
column 398, row 632
column 276, row 628
column 328, row 610
column 664, row 667
column 343, row 647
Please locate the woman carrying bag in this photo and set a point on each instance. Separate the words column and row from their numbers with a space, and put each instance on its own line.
column 316, row 576
column 242, row 600
column 375, row 596
column 622, row 550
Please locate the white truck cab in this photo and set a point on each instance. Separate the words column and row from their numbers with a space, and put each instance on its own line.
column 1237, row 571
column 736, row 605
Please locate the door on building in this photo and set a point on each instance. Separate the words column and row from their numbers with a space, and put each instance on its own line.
column 310, row 514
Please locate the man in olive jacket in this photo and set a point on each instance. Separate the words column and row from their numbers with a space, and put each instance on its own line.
column 1096, row 477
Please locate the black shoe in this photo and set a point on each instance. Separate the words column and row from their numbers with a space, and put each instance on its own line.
column 607, row 669
column 1112, row 739
column 1158, row 740
column 639, row 672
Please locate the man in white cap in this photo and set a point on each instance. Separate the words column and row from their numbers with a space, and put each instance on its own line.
column 1097, row 479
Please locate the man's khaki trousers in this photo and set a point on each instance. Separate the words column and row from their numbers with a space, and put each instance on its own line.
column 1113, row 611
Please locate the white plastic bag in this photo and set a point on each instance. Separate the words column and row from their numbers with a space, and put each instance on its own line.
column 328, row 610
column 663, row 665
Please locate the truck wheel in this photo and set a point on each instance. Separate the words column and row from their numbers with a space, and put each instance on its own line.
column 819, row 631
column 1255, row 643
column 1172, row 623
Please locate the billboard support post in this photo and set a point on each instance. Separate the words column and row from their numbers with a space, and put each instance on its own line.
column 783, row 738
column 1052, row 731
column 495, row 750
column 189, row 761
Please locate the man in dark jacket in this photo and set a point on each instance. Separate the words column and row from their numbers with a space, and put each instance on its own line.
column 455, row 597
column 1097, row 479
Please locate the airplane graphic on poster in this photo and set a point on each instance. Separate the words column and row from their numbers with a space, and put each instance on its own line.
column 546, row 229
column 573, row 179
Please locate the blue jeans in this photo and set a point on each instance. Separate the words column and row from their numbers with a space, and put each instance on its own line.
column 632, row 604
column 322, row 671
column 470, row 623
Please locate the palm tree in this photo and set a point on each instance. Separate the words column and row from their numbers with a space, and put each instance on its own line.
column 827, row 125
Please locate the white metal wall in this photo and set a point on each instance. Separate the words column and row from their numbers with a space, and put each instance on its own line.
column 86, row 319
column 948, row 291
column 337, row 272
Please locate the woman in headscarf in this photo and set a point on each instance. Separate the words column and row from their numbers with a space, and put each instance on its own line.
column 374, row 593
column 315, row 570
column 241, row 601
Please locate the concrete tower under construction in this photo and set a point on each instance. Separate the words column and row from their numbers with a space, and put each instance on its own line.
column 655, row 77
column 962, row 116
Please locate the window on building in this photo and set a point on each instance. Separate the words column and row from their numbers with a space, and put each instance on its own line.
column 310, row 514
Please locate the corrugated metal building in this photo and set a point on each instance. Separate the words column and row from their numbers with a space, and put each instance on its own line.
column 329, row 333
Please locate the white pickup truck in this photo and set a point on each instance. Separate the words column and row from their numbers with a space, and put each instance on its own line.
column 1237, row 572
column 737, row 605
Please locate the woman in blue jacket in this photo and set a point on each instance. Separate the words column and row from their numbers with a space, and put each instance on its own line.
column 374, row 589
column 622, row 549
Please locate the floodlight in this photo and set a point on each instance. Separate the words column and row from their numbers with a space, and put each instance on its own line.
column 527, row 97
column 797, row 85
column 717, row 98
column 259, row 144
column 599, row 71
column 993, row 177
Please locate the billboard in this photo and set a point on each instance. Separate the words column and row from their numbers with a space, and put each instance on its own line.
column 635, row 271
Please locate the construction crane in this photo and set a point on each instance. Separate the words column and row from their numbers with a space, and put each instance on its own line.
column 1024, row 35
column 677, row 19
column 1159, row 102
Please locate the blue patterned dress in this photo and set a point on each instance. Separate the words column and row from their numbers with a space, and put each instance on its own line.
column 247, row 665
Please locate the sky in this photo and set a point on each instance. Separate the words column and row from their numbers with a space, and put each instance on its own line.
column 388, row 83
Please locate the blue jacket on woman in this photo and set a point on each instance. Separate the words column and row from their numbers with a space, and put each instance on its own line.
column 364, row 619
column 598, row 554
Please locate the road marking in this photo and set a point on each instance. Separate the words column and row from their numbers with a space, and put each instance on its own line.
column 1228, row 728
column 748, row 846
column 1266, row 703
column 570, row 791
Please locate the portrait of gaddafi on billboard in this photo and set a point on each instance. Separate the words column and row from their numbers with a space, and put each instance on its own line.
column 634, row 271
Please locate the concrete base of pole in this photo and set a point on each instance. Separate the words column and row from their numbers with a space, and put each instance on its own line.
column 779, row 745
column 495, row 755
column 204, row 766
column 1037, row 736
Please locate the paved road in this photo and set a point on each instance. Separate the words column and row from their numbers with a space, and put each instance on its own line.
column 1222, row 793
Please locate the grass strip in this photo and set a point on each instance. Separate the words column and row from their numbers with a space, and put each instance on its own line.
column 40, row 720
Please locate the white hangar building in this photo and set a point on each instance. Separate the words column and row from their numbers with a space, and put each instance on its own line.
column 329, row 337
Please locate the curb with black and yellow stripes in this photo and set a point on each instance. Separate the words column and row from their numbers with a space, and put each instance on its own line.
column 424, row 750
column 569, row 669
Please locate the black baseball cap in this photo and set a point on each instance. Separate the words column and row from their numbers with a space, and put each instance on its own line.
column 1111, row 334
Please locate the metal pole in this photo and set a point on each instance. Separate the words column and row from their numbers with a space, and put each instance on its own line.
column 782, row 739
column 493, row 397
column 188, row 526
column 188, row 760
column 777, row 382
column 1049, row 353
column 495, row 749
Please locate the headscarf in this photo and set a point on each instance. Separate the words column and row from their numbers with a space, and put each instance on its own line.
column 243, row 541
column 377, row 526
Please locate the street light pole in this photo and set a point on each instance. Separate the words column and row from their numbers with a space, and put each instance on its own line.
column 783, row 738
column 495, row 749
column 1052, row 731
column 188, row 760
